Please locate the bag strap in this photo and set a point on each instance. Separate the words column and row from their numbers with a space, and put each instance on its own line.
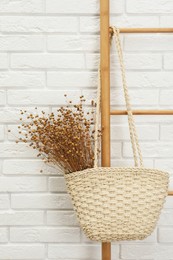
column 132, row 129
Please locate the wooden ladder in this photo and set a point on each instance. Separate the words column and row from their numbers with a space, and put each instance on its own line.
column 105, row 31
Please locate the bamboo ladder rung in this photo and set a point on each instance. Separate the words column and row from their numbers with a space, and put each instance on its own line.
column 142, row 112
column 144, row 30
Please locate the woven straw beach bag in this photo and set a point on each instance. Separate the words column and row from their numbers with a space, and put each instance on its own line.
column 115, row 203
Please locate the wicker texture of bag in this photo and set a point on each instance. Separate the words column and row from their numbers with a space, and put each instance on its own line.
column 118, row 203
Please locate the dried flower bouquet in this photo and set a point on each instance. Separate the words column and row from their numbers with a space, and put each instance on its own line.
column 66, row 139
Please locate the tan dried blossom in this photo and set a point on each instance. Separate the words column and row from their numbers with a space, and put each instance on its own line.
column 65, row 139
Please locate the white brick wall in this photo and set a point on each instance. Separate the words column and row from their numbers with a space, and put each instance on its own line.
column 51, row 47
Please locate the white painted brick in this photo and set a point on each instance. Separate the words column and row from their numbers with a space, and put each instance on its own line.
column 152, row 149
column 169, row 203
column 45, row 234
column 165, row 235
column 73, row 43
column 12, row 114
column 82, row 251
column 78, row 7
column 28, row 167
column 3, row 61
column 13, row 135
column 166, row 21
column 166, row 132
column 145, row 79
column 2, row 132
column 73, row 6
column 116, row 149
column 48, row 97
column 29, row 6
column 76, row 259
column 4, row 201
column 166, row 97
column 146, row 132
column 47, row 61
column 52, row 97
column 138, row 97
column 165, row 218
column 21, row 218
column 22, row 79
column 91, row 24
column 21, row 184
column 9, row 115
column 22, row 43
column 3, row 235
column 38, row 24
column 148, row 119
column 2, row 97
column 57, row 184
column 164, row 164
column 148, row 42
column 152, row 251
column 135, row 21
column 92, row 60
column 1, row 165
column 132, row 61
column 72, row 79
column 129, row 163
column 16, row 150
column 76, row 251
column 41, row 201
column 146, row 6
column 22, row 252
column 62, row 218
column 168, row 61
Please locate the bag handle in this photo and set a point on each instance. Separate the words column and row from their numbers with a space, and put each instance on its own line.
column 132, row 129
